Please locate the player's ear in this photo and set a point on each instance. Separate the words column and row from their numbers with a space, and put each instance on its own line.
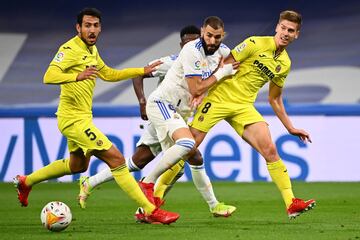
column 202, row 31
column 78, row 28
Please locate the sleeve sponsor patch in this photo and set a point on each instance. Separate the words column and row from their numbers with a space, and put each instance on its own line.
column 59, row 57
column 197, row 65
column 240, row 47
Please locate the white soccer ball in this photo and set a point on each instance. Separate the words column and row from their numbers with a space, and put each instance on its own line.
column 56, row 216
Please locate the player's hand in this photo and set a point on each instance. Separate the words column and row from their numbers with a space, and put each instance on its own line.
column 196, row 101
column 143, row 111
column 89, row 73
column 302, row 134
column 235, row 66
column 152, row 67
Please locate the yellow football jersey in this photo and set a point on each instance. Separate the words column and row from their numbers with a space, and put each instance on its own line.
column 72, row 58
column 258, row 65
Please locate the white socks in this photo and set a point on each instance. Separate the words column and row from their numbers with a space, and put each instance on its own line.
column 131, row 165
column 203, row 185
column 170, row 158
column 101, row 177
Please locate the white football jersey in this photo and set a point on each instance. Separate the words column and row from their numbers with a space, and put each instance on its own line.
column 191, row 61
column 163, row 68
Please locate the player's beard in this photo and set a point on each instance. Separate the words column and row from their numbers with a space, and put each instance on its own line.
column 87, row 39
column 208, row 51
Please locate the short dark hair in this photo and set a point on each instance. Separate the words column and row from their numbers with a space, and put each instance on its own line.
column 190, row 29
column 214, row 22
column 88, row 11
column 291, row 16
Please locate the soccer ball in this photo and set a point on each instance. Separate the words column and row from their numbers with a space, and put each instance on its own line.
column 55, row 216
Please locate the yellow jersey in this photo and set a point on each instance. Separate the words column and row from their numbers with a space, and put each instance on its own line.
column 72, row 58
column 258, row 65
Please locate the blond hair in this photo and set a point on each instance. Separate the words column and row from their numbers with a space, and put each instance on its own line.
column 291, row 16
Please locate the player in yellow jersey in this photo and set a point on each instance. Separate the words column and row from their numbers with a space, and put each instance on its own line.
column 262, row 60
column 75, row 68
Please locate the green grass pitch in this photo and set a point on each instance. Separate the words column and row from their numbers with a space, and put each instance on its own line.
column 260, row 213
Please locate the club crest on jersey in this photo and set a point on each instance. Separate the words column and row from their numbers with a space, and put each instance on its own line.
column 197, row 65
column 241, row 47
column 278, row 68
column 59, row 57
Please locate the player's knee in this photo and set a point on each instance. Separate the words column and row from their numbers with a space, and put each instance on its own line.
column 142, row 156
column 195, row 158
column 116, row 161
column 78, row 169
column 186, row 145
column 270, row 151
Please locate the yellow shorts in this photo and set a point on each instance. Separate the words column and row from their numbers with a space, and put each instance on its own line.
column 83, row 134
column 237, row 115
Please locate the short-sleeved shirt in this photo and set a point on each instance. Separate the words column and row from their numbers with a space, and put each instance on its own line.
column 192, row 61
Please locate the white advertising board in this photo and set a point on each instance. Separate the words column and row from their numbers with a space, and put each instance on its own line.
column 27, row 144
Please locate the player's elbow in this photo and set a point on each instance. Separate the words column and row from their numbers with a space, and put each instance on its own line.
column 47, row 78
column 274, row 101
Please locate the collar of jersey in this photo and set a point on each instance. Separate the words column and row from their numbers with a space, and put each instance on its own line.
column 82, row 45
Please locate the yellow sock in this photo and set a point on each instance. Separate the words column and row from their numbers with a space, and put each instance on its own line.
column 280, row 177
column 128, row 184
column 167, row 179
column 55, row 169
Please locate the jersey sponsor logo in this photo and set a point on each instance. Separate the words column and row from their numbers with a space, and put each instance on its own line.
column 252, row 40
column 59, row 57
column 84, row 57
column 197, row 65
column 240, row 48
column 262, row 55
column 201, row 118
column 264, row 70
column 206, row 74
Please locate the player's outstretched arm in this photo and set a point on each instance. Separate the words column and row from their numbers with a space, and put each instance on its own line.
column 55, row 75
column 152, row 67
column 276, row 102
column 114, row 75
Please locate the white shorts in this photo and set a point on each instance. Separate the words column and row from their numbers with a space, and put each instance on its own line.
column 165, row 120
column 150, row 139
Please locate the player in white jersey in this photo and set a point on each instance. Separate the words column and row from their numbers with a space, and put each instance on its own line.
column 197, row 68
column 148, row 147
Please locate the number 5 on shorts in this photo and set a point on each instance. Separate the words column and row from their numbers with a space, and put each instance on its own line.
column 90, row 134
